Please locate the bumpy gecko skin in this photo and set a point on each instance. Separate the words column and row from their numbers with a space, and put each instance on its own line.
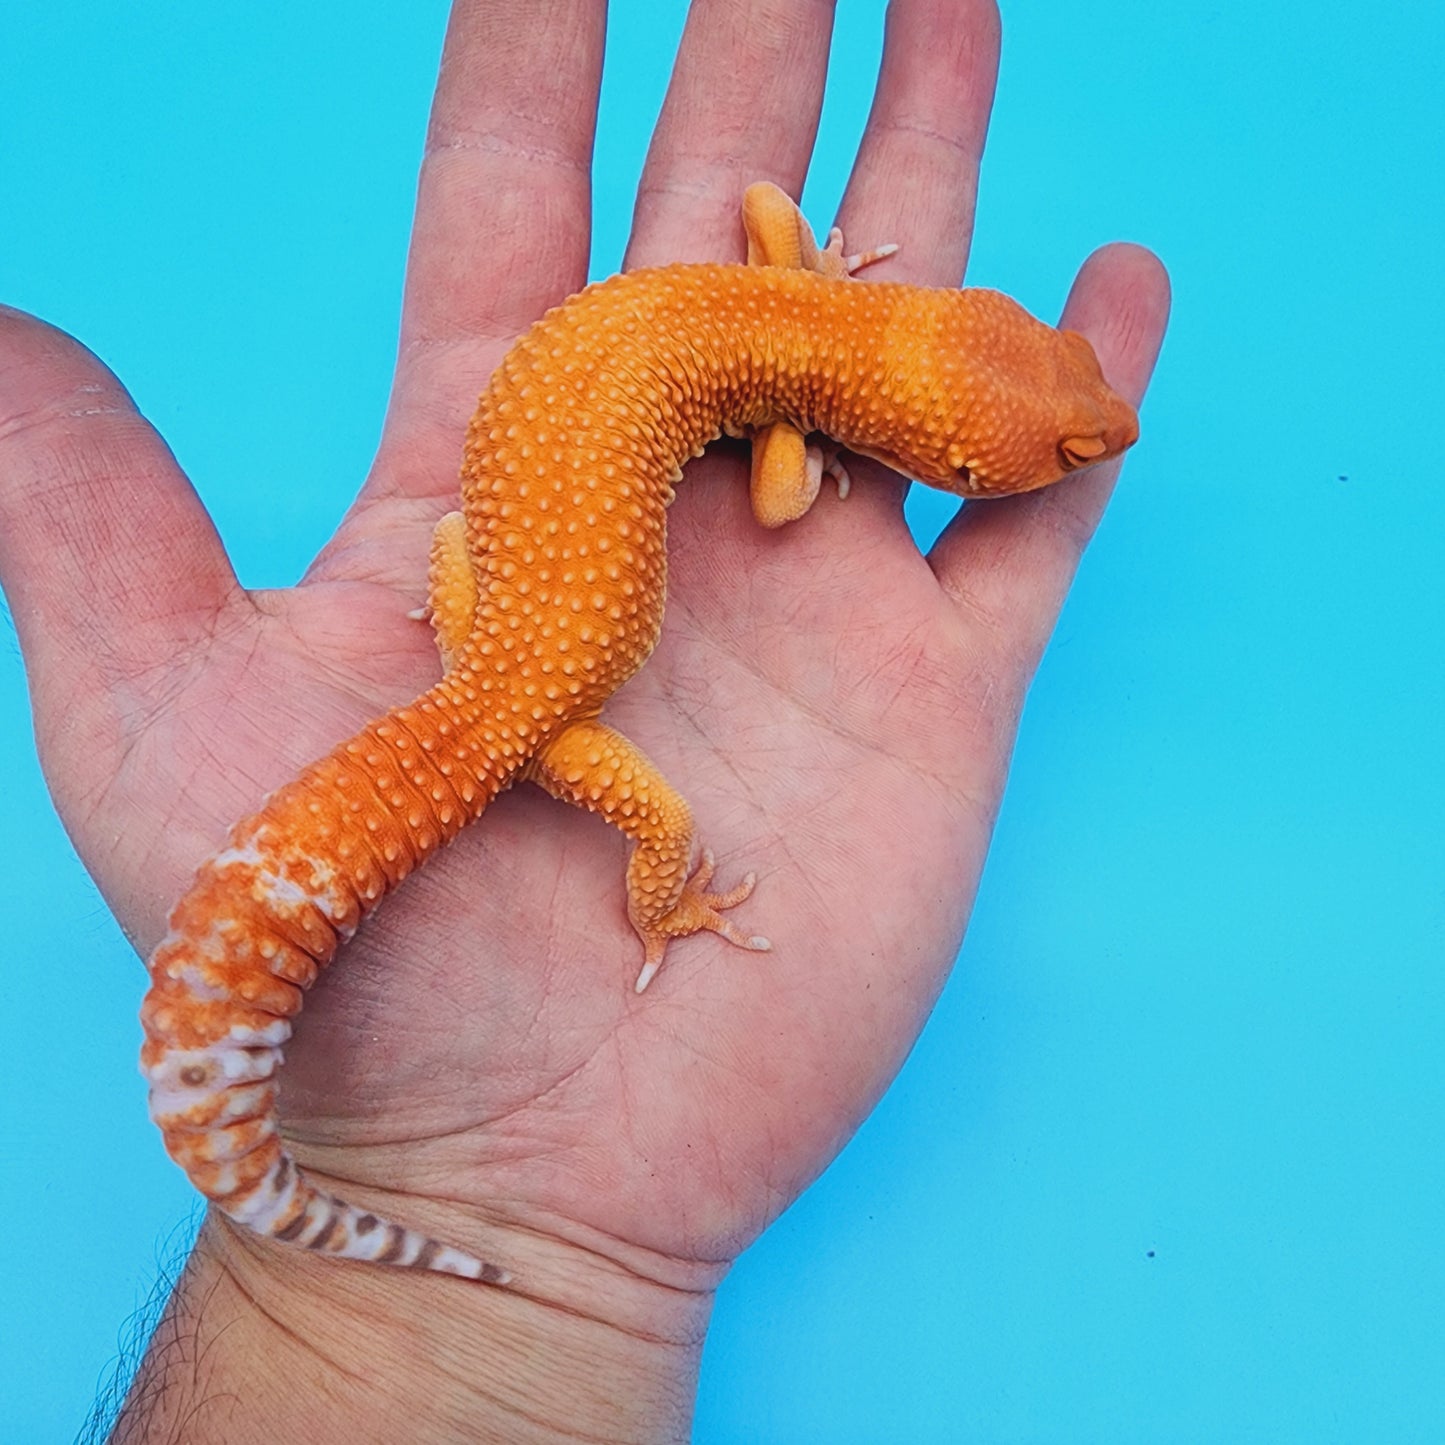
column 547, row 593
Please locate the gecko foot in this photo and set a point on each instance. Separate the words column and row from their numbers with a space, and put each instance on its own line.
column 852, row 264
column 831, row 465
column 697, row 911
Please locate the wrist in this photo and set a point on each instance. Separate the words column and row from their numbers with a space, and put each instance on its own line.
column 261, row 1341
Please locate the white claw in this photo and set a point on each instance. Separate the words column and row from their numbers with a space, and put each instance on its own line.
column 649, row 972
column 867, row 258
column 420, row 614
column 759, row 944
column 833, row 467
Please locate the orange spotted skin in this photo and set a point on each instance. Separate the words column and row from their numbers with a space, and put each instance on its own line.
column 546, row 594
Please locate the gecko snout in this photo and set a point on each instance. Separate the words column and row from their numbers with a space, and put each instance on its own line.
column 1103, row 424
column 1115, row 430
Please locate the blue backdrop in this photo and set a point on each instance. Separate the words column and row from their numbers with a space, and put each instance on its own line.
column 1167, row 1163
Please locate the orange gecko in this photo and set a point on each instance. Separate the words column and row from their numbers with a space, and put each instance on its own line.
column 547, row 593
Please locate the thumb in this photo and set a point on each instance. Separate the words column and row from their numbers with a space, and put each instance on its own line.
column 108, row 559
column 1012, row 559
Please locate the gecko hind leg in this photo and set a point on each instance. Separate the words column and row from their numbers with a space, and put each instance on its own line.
column 593, row 766
column 451, row 589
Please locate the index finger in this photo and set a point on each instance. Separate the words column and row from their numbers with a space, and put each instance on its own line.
column 915, row 180
column 502, row 219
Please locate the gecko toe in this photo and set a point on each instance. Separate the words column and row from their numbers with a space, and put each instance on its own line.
column 698, row 911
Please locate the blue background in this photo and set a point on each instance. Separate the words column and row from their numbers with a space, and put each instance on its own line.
column 1167, row 1163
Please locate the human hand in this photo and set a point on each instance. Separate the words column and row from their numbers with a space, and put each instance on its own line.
column 837, row 709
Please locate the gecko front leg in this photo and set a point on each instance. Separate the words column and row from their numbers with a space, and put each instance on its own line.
column 788, row 469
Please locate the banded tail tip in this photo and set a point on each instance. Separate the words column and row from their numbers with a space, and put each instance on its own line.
column 466, row 1266
column 349, row 1234
column 341, row 1229
column 411, row 1250
column 286, row 1207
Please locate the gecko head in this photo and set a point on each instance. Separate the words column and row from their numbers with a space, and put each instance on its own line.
column 1097, row 423
column 1036, row 411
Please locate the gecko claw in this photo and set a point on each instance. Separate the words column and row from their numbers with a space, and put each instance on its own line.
column 833, row 467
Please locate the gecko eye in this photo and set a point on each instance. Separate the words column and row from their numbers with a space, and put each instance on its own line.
column 1080, row 451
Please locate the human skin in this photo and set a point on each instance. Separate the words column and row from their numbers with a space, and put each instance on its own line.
column 838, row 709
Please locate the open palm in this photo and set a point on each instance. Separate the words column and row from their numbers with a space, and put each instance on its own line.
column 838, row 709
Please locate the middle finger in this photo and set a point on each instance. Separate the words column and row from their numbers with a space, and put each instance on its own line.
column 742, row 106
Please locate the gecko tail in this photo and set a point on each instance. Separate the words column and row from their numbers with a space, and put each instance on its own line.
column 261, row 920
column 288, row 1207
column 215, row 1105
